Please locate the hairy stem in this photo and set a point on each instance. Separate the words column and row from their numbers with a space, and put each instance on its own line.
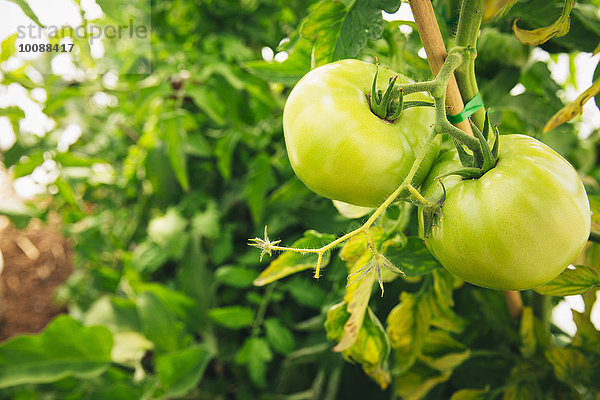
column 471, row 14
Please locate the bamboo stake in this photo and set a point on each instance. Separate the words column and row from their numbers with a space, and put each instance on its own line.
column 432, row 41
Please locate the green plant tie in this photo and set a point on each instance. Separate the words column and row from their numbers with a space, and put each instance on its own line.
column 472, row 105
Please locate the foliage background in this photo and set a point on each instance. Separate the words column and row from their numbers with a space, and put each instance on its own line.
column 176, row 169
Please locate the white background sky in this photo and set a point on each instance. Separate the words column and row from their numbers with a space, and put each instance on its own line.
column 65, row 12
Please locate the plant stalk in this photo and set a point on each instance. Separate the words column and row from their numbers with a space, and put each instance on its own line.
column 469, row 22
column 432, row 41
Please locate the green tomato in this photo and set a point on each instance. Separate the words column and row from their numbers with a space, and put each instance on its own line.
column 339, row 148
column 516, row 227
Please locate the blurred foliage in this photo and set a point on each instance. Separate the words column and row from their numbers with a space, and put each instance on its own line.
column 181, row 159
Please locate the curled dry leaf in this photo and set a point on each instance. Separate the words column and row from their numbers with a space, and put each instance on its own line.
column 560, row 27
column 574, row 108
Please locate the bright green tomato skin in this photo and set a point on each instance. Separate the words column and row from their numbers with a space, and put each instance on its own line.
column 518, row 226
column 339, row 148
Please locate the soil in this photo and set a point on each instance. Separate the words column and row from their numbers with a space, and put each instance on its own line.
column 36, row 262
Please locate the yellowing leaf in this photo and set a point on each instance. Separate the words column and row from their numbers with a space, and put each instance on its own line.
column 560, row 27
column 357, row 299
column 495, row 9
column 407, row 326
column 571, row 282
column 371, row 348
column 574, row 108
column 290, row 262
column 528, row 342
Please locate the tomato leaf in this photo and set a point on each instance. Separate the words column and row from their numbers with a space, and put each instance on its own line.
column 412, row 257
column 470, row 394
column 339, row 31
column 418, row 381
column 180, row 371
column 255, row 354
column 350, row 210
column 357, row 299
column 495, row 9
column 287, row 72
column 65, row 348
column 570, row 365
column 175, row 136
column 28, row 11
column 574, row 108
column 560, row 27
column 407, row 326
column 232, row 317
column 290, row 262
column 528, row 342
column 279, row 337
column 260, row 180
column 238, row 277
column 571, row 282
column 371, row 348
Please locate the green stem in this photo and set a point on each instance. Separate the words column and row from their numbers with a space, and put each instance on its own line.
column 594, row 236
column 471, row 14
column 541, row 309
column 262, row 309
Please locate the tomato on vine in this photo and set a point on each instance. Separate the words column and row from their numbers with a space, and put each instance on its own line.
column 516, row 227
column 340, row 148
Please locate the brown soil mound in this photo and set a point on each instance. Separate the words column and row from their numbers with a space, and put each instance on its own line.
column 36, row 261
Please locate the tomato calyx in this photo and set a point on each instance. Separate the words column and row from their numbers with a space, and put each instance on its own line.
column 386, row 105
column 483, row 158
column 389, row 105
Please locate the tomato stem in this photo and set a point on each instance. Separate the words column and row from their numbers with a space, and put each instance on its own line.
column 469, row 22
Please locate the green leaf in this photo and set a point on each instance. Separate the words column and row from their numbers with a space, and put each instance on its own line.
column 412, row 257
column 305, row 292
column 418, row 381
column 205, row 223
column 341, row 32
column 208, row 101
column 470, row 394
column 7, row 49
column 27, row 10
column 560, row 27
column 571, row 282
column 528, row 341
column 238, row 277
column 158, row 323
column 289, row 263
column 232, row 317
column 169, row 232
column 255, row 353
column 224, row 149
column 587, row 336
column 65, row 348
column 289, row 71
column 175, row 137
column 148, row 257
column 570, row 365
column 280, row 338
column 260, row 180
column 180, row 371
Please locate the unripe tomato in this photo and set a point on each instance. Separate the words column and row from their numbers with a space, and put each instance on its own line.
column 339, row 148
column 516, row 227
